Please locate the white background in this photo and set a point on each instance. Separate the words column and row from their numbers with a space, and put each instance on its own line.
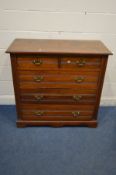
column 61, row 19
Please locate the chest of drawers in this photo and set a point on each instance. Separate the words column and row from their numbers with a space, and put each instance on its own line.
column 57, row 82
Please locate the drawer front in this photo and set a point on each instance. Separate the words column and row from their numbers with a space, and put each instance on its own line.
column 38, row 79
column 58, row 76
column 34, row 85
column 57, row 115
column 74, row 63
column 58, row 98
column 28, row 62
column 81, row 63
column 57, row 112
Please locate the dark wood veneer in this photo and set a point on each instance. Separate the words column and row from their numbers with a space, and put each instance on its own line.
column 58, row 82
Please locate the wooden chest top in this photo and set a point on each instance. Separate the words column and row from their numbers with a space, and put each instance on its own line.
column 46, row 46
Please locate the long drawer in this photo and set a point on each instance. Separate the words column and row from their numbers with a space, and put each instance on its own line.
column 57, row 115
column 58, row 98
column 57, row 112
column 56, row 79
column 58, row 76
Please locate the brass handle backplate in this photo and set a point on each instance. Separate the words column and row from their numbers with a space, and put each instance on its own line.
column 79, row 79
column 37, row 62
column 38, row 78
column 39, row 113
column 77, row 97
column 38, row 97
column 81, row 63
column 76, row 113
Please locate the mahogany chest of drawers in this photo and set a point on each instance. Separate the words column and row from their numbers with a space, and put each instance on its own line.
column 58, row 82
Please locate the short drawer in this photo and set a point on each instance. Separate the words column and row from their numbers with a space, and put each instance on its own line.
column 82, row 63
column 35, row 62
column 58, row 98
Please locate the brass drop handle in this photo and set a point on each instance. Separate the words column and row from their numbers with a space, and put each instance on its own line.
column 39, row 113
column 38, row 97
column 38, row 78
column 37, row 62
column 79, row 79
column 76, row 113
column 77, row 97
column 81, row 63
